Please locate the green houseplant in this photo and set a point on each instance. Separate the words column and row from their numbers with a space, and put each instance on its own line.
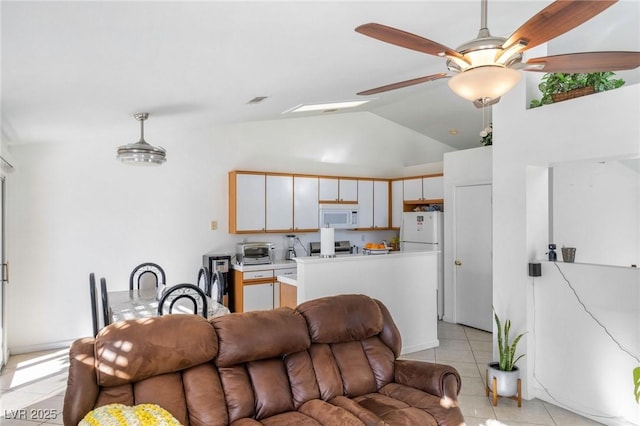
column 559, row 86
column 503, row 376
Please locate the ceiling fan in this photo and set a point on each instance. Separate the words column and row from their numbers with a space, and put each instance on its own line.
column 487, row 67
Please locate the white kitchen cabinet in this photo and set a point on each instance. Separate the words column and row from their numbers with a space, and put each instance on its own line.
column 397, row 203
column 365, row 203
column 247, row 206
column 380, row 204
column 412, row 189
column 257, row 297
column 433, row 188
column 279, row 202
column 305, row 203
column 423, row 188
column 342, row 190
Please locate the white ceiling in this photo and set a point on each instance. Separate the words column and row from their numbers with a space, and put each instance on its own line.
column 77, row 71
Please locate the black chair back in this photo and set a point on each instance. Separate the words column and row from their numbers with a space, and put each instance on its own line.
column 143, row 269
column 183, row 292
column 217, row 286
column 94, row 302
column 106, row 312
column 204, row 280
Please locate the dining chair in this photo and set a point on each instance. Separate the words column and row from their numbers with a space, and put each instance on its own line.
column 147, row 274
column 183, row 293
column 106, row 312
column 94, row 302
column 204, row 280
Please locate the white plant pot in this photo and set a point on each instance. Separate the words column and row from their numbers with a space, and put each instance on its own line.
column 507, row 381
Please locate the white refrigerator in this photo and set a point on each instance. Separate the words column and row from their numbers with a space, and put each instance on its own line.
column 425, row 231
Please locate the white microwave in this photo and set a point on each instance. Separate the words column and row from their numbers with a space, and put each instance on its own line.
column 339, row 216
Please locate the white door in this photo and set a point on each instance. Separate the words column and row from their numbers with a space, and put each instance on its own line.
column 305, row 203
column 279, row 203
column 473, row 256
column 365, row 203
column 380, row 204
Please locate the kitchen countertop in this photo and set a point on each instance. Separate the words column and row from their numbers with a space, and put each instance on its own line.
column 288, row 279
column 357, row 257
column 278, row 264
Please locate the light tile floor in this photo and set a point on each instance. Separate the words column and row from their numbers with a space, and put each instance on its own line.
column 469, row 350
column 32, row 385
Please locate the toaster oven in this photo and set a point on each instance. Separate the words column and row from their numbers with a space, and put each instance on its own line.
column 255, row 253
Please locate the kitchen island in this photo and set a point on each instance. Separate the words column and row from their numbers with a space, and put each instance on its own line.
column 406, row 282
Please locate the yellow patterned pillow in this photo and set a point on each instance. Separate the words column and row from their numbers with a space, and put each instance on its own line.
column 123, row 415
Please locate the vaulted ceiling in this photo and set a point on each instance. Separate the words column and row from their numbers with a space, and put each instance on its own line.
column 74, row 71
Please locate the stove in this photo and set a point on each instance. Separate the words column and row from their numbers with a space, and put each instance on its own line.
column 341, row 247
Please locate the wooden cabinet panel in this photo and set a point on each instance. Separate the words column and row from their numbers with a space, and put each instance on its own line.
column 341, row 190
column 348, row 190
column 249, row 207
column 305, row 203
column 365, row 203
column 279, row 203
column 380, row 204
column 328, row 189
column 288, row 295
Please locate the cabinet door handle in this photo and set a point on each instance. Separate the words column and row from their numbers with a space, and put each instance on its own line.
column 5, row 272
column 458, row 263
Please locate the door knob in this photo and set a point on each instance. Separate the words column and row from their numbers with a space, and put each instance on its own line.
column 458, row 263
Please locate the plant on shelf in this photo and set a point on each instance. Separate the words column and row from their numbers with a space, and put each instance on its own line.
column 557, row 86
column 486, row 135
column 503, row 376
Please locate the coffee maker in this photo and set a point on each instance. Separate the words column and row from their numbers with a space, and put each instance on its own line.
column 291, row 251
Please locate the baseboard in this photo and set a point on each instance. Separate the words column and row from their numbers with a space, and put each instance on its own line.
column 421, row 347
column 63, row 344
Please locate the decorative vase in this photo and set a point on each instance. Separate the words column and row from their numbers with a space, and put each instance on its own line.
column 507, row 381
column 568, row 254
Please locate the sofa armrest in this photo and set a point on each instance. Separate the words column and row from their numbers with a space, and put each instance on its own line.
column 437, row 379
column 82, row 388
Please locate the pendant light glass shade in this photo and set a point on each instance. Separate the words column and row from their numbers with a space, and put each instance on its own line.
column 484, row 83
column 141, row 153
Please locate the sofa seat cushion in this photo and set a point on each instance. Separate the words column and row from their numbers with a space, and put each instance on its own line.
column 395, row 412
column 445, row 410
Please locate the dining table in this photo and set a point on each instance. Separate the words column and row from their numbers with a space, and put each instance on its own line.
column 143, row 303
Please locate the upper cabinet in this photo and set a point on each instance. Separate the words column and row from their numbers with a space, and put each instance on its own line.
column 305, row 203
column 373, row 204
column 424, row 189
column 247, row 202
column 279, row 203
column 262, row 202
column 338, row 190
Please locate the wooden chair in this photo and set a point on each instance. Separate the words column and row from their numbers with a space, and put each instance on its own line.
column 183, row 292
column 146, row 270
column 204, row 280
column 94, row 302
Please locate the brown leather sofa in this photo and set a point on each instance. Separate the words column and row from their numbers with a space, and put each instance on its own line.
column 329, row 361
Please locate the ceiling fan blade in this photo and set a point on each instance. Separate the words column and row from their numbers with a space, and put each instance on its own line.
column 554, row 20
column 585, row 62
column 407, row 40
column 402, row 84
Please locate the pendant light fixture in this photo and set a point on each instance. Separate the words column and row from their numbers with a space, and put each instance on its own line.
column 141, row 153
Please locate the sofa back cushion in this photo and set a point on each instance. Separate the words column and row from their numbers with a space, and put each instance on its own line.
column 263, row 362
column 350, row 348
column 154, row 346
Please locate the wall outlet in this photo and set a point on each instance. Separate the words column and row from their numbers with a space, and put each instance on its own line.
column 214, row 225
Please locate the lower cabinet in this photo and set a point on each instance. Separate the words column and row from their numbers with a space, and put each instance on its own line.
column 259, row 290
column 258, row 297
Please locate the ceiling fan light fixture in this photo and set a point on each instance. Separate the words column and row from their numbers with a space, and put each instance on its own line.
column 484, row 83
column 141, row 152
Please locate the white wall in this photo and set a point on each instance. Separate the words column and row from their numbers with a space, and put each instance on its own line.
column 466, row 167
column 596, row 209
column 598, row 364
column 604, row 125
column 74, row 209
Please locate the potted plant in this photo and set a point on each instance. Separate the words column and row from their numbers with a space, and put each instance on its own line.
column 503, row 376
column 556, row 87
